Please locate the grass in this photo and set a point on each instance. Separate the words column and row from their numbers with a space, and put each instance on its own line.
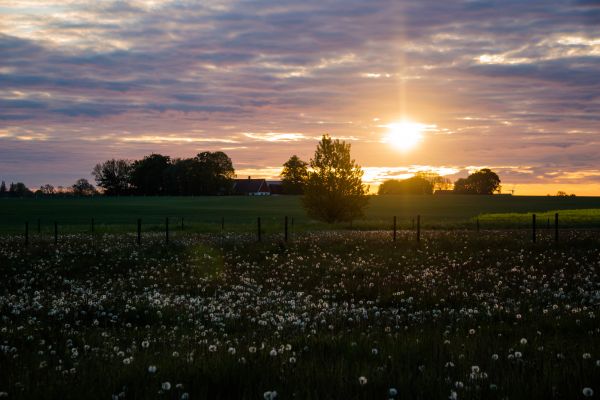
column 589, row 217
column 487, row 316
column 204, row 214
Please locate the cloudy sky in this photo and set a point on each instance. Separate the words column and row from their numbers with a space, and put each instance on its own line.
column 509, row 84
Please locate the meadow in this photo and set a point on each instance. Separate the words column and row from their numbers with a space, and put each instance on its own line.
column 330, row 315
column 205, row 214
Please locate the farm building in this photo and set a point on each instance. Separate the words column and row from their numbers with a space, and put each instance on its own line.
column 251, row 187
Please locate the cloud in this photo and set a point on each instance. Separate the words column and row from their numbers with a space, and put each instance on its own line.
column 266, row 79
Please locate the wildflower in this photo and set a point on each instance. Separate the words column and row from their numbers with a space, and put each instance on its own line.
column 362, row 380
column 273, row 353
column 495, row 357
column 212, row 348
column 471, row 331
column 292, row 360
column 252, row 349
column 587, row 392
column 270, row 395
column 145, row 344
column 393, row 392
column 166, row 386
column 586, row 356
column 185, row 396
column 152, row 369
column 231, row 350
column 374, row 351
column 523, row 341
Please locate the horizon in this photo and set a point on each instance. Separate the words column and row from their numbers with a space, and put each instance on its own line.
column 450, row 87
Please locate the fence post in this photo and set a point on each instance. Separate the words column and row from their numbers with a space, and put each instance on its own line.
column 92, row 226
column 182, row 226
column 27, row 233
column 222, row 224
column 286, row 229
column 418, row 228
column 413, row 224
column 477, row 225
column 556, row 227
column 55, row 233
column 533, row 228
column 39, row 226
column 259, row 232
column 139, row 231
column 293, row 232
column 394, row 228
column 167, row 230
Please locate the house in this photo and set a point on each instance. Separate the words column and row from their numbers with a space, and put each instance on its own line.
column 251, row 187
column 276, row 187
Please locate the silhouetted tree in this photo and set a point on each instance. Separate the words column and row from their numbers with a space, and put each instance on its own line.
column 19, row 190
column 148, row 174
column 214, row 173
column 3, row 189
column 83, row 188
column 294, row 174
column 438, row 182
column 113, row 176
column 484, row 181
column 47, row 190
column 334, row 191
column 413, row 185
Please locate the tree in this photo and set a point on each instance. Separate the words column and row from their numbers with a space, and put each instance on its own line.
column 413, row 185
column 295, row 174
column 484, row 181
column 113, row 176
column 334, row 191
column 148, row 174
column 214, row 172
column 83, row 188
column 3, row 189
column 438, row 182
column 19, row 190
column 47, row 190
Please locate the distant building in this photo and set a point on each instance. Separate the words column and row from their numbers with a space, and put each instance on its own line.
column 251, row 187
column 276, row 187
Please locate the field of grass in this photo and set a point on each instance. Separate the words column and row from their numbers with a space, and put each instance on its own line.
column 333, row 315
column 588, row 217
column 204, row 213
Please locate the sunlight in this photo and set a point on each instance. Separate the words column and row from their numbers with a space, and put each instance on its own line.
column 404, row 135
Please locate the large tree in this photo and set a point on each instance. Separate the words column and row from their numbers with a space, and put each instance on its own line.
column 148, row 174
column 113, row 176
column 484, row 181
column 334, row 191
column 294, row 174
column 215, row 173
column 413, row 185
column 83, row 188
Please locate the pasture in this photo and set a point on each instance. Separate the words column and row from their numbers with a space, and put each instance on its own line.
column 204, row 214
column 331, row 315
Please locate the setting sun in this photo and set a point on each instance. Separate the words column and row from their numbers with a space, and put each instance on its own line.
column 404, row 135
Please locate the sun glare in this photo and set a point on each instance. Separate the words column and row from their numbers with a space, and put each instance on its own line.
column 404, row 135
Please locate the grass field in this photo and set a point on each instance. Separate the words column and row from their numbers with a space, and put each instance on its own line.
column 334, row 315
column 240, row 213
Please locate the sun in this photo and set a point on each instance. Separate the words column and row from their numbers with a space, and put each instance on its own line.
column 404, row 135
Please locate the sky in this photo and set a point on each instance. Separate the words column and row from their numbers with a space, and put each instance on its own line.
column 513, row 85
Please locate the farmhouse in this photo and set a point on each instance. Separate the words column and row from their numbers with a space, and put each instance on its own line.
column 251, row 187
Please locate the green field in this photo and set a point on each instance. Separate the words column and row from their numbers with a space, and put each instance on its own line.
column 240, row 213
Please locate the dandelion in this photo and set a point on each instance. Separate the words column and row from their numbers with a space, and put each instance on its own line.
column 185, row 396
column 362, row 380
column 212, row 348
column 588, row 392
column 252, row 349
column 518, row 354
column 127, row 361
column 471, row 331
column 152, row 369
column 374, row 351
column 495, row 357
column 523, row 341
column 273, row 353
column 292, row 360
column 393, row 392
column 586, row 356
column 145, row 344
column 231, row 350
column 166, row 386
column 270, row 395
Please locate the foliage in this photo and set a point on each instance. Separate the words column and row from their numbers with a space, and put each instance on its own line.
column 148, row 174
column 437, row 182
column 15, row 190
column 484, row 181
column 334, row 191
column 83, row 188
column 47, row 190
column 413, row 185
column 113, row 176
column 294, row 174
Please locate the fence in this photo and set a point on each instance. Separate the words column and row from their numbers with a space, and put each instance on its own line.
column 284, row 227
